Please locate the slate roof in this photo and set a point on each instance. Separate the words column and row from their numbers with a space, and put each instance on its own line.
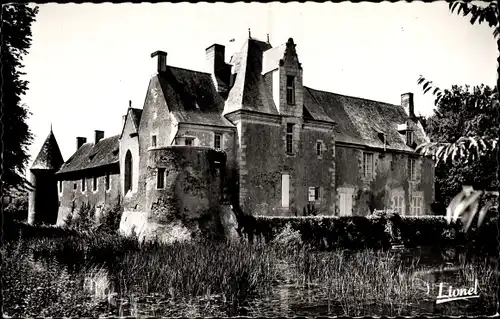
column 249, row 91
column 49, row 157
column 192, row 97
column 136, row 116
column 359, row 121
column 91, row 155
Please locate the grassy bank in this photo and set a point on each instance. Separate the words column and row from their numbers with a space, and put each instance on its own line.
column 101, row 273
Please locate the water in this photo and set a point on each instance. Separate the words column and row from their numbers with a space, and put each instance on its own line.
column 288, row 298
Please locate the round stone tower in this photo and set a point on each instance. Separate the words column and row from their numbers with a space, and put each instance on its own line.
column 185, row 183
column 43, row 198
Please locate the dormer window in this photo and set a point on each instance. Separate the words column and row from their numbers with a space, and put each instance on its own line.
column 409, row 137
column 290, row 89
column 217, row 141
column 188, row 141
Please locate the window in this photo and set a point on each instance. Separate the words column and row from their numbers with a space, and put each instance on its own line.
column 409, row 137
column 108, row 185
column 290, row 89
column 285, row 190
column 412, row 170
column 83, row 184
column 160, row 178
column 94, row 184
column 188, row 141
column 289, row 138
column 128, row 172
column 368, row 165
column 74, row 186
column 319, row 148
column 60, row 187
column 399, row 205
column 416, row 205
column 314, row 193
column 153, row 141
column 217, row 141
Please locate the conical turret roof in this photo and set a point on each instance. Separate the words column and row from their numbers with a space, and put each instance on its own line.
column 49, row 157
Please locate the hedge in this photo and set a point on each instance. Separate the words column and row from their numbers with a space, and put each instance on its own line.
column 353, row 232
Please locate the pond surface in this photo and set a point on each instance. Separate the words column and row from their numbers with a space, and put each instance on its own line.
column 287, row 298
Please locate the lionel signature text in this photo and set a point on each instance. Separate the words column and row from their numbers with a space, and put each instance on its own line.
column 457, row 293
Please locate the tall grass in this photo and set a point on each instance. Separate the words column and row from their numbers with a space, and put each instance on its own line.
column 57, row 276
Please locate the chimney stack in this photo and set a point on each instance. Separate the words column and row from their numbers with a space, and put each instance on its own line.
column 80, row 141
column 161, row 65
column 217, row 66
column 99, row 135
column 407, row 104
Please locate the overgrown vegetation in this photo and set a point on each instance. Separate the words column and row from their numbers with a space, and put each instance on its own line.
column 98, row 272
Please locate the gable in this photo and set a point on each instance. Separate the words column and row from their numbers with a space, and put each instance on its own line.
column 132, row 120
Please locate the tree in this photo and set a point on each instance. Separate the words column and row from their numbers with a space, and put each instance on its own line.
column 454, row 117
column 15, row 42
column 469, row 147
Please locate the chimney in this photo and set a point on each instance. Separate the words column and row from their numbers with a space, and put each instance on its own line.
column 217, row 66
column 161, row 65
column 99, row 135
column 407, row 104
column 80, row 141
column 215, row 56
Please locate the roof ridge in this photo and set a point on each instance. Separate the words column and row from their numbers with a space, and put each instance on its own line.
column 176, row 67
column 353, row 97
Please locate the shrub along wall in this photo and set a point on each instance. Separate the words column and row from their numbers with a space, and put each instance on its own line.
column 377, row 231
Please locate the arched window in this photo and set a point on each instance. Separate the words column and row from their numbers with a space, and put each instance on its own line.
column 128, row 172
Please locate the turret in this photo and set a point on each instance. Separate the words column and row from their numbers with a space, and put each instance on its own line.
column 43, row 198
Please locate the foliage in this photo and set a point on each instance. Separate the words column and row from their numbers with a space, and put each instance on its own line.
column 110, row 218
column 456, row 117
column 375, row 231
column 470, row 146
column 165, row 280
column 16, row 40
column 18, row 206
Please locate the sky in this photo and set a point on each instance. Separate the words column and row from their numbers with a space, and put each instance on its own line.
column 88, row 60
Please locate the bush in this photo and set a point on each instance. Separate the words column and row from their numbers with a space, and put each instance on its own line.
column 375, row 231
column 110, row 219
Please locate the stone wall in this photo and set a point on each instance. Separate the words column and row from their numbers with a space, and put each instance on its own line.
column 190, row 198
column 155, row 119
column 71, row 199
column 390, row 178
column 263, row 160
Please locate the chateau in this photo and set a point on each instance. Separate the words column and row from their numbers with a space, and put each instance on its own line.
column 246, row 132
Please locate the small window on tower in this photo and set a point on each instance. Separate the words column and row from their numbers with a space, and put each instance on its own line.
column 153, row 141
column 290, row 89
column 60, row 187
column 160, row 178
column 108, row 184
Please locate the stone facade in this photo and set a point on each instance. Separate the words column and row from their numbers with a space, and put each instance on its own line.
column 285, row 146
